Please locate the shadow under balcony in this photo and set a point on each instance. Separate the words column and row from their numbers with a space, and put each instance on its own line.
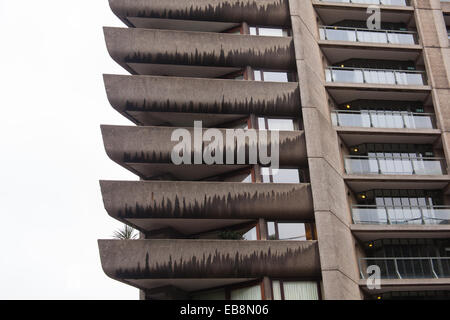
column 192, row 265
column 178, row 102
column 204, row 15
column 147, row 151
column 196, row 54
column 191, row 208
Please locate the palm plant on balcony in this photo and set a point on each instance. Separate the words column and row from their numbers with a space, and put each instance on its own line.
column 125, row 233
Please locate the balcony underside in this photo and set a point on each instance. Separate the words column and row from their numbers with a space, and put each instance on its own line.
column 165, row 52
column 147, row 151
column 355, row 136
column 413, row 285
column 148, row 100
column 191, row 208
column 345, row 92
column 362, row 183
column 150, row 264
column 367, row 233
column 261, row 12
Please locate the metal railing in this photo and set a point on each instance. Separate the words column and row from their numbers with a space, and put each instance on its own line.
column 408, row 268
column 376, row 2
column 401, row 215
column 394, row 165
column 383, row 119
column 375, row 76
column 367, row 35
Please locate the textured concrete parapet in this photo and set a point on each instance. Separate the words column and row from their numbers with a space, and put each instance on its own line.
column 145, row 46
column 191, row 259
column 267, row 12
column 207, row 200
column 153, row 145
column 192, row 95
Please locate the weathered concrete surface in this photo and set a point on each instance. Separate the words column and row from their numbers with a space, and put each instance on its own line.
column 332, row 213
column 146, row 46
column 192, row 95
column 153, row 144
column 178, row 259
column 257, row 12
column 207, row 200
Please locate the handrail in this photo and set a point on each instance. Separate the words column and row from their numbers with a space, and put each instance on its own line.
column 380, row 2
column 436, row 272
column 429, row 215
column 373, row 69
column 387, row 111
column 406, row 157
column 383, row 119
column 367, row 29
column 400, row 206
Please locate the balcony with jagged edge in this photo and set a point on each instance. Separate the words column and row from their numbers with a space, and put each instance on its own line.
column 147, row 151
column 196, row 54
column 201, row 15
column 192, row 265
column 178, row 102
column 192, row 208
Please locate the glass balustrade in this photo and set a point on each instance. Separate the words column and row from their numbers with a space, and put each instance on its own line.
column 379, row 2
column 395, row 165
column 401, row 215
column 367, row 35
column 408, row 268
column 375, row 76
column 383, row 119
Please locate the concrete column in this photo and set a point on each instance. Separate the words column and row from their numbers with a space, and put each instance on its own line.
column 267, row 288
column 332, row 212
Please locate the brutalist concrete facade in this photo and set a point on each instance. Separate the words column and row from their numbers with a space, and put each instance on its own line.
column 185, row 58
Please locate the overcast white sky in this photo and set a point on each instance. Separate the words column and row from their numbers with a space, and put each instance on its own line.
column 52, row 56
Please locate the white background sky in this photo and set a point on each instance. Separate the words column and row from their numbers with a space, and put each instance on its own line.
column 52, row 100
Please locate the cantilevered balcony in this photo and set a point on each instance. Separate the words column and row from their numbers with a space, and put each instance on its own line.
column 190, row 208
column 201, row 15
column 147, row 151
column 192, row 265
column 376, row 76
column 150, row 100
column 347, row 34
column 401, row 215
column 403, row 164
column 408, row 268
column 383, row 119
column 196, row 54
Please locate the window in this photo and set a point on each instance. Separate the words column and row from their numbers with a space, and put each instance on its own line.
column 271, row 76
column 295, row 290
column 290, row 231
column 269, row 32
column 249, row 291
column 275, row 124
column 280, row 175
